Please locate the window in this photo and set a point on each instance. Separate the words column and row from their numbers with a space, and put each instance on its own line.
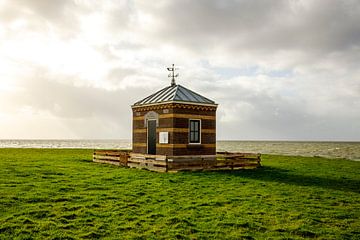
column 194, row 131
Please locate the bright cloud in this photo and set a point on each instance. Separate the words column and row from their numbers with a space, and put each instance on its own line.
column 278, row 69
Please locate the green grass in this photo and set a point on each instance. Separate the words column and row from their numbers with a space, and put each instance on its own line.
column 61, row 194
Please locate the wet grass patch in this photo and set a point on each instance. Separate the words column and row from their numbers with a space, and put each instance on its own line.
column 62, row 194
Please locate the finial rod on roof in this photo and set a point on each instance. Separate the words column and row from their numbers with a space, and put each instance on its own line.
column 172, row 74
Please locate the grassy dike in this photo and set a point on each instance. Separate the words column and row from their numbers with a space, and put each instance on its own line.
column 62, row 194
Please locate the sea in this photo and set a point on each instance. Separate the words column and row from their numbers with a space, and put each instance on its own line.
column 340, row 150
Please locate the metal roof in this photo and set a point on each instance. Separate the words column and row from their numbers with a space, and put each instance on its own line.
column 174, row 93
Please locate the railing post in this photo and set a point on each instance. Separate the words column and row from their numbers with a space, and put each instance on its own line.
column 166, row 164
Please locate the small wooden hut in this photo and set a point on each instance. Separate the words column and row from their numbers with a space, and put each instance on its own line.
column 174, row 129
column 174, row 121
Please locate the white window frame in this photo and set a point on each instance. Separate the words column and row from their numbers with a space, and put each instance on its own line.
column 196, row 119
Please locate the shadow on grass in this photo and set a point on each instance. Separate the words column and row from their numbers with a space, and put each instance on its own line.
column 273, row 174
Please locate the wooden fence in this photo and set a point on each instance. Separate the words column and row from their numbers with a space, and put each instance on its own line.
column 116, row 157
column 162, row 163
column 236, row 160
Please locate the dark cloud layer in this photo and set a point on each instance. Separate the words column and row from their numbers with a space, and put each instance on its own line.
column 262, row 25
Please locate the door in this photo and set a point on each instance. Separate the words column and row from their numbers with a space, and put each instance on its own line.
column 151, row 137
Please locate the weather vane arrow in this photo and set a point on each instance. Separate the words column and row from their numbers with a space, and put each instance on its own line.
column 172, row 74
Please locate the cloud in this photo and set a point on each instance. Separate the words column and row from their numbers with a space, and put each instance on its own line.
column 279, row 69
column 59, row 17
column 86, row 111
column 289, row 33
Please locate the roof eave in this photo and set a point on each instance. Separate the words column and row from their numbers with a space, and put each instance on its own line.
column 181, row 102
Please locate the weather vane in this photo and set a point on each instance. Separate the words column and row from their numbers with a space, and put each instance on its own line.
column 172, row 74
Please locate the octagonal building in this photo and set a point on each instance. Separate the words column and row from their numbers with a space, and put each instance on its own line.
column 174, row 121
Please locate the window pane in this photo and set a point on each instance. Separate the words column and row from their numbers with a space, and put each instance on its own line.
column 194, row 131
column 196, row 126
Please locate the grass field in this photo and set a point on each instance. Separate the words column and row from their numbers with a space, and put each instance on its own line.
column 61, row 194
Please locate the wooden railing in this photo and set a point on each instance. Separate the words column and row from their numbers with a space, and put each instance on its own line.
column 158, row 163
column 236, row 160
column 116, row 157
column 162, row 163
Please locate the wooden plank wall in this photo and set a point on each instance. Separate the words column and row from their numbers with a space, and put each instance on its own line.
column 236, row 160
column 158, row 163
column 116, row 157
column 162, row 163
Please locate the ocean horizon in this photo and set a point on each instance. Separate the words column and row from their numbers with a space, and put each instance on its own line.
column 329, row 149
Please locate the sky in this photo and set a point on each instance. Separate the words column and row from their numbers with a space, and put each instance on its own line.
column 279, row 70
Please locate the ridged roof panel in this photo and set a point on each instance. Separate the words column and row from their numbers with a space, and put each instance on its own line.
column 174, row 93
